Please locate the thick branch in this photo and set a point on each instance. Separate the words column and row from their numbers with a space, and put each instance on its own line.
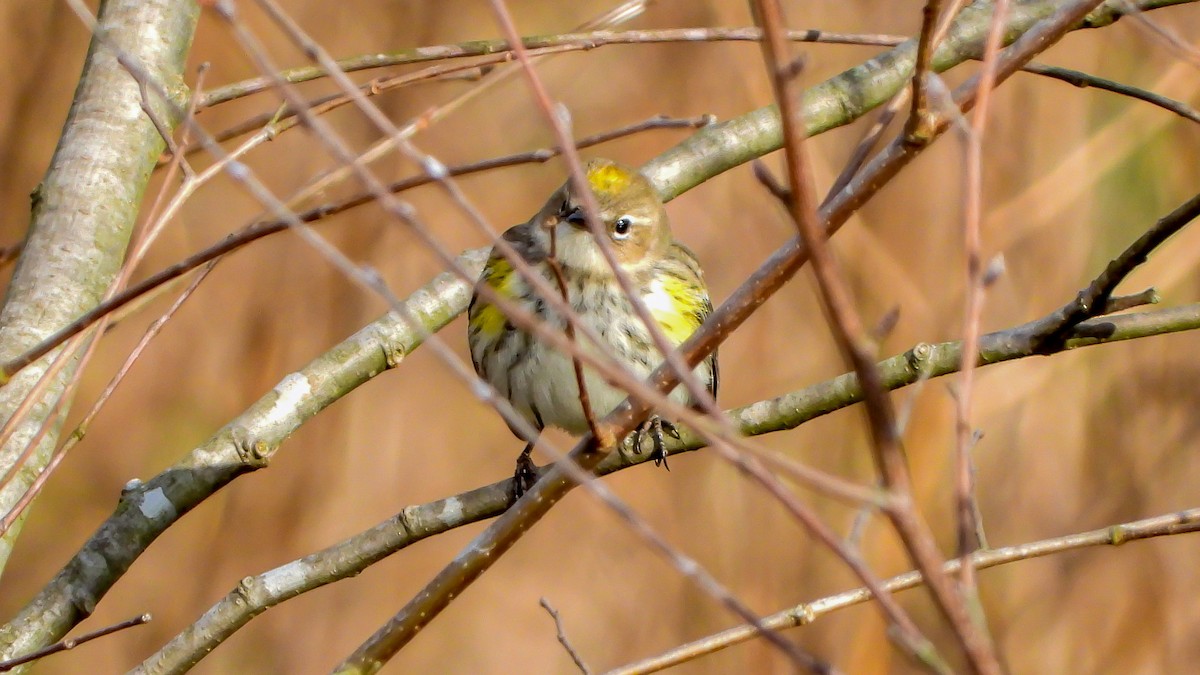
column 247, row 442
column 84, row 212
column 256, row 594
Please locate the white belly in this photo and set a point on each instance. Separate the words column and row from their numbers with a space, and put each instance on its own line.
column 550, row 386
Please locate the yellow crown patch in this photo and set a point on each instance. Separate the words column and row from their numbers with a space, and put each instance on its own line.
column 608, row 178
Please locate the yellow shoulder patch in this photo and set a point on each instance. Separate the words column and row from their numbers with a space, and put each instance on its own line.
column 500, row 276
column 608, row 179
column 677, row 307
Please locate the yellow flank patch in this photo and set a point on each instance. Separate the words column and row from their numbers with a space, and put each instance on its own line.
column 498, row 275
column 676, row 307
column 608, row 179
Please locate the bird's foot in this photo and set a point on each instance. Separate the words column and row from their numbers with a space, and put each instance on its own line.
column 658, row 429
column 525, row 475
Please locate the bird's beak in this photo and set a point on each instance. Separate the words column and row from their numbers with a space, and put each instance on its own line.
column 576, row 219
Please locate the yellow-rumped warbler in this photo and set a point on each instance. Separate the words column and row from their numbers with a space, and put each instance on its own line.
column 539, row 380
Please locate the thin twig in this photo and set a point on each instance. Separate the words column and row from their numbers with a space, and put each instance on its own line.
column 268, row 227
column 856, row 348
column 867, row 144
column 255, row 594
column 1085, row 80
column 919, row 118
column 572, row 41
column 1047, row 332
column 562, row 638
column 81, row 429
column 1165, row 36
column 585, row 401
column 1180, row 522
column 64, row 645
column 964, row 484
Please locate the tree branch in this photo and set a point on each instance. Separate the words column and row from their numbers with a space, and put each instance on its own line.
column 248, row 442
column 1181, row 522
column 256, row 594
column 84, row 212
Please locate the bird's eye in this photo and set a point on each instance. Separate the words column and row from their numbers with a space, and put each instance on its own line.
column 622, row 226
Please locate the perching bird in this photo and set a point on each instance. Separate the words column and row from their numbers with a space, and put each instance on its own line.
column 539, row 380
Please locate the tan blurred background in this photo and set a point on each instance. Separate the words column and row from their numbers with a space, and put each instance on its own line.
column 1072, row 442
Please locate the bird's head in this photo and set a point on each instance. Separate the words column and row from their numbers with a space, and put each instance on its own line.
column 630, row 211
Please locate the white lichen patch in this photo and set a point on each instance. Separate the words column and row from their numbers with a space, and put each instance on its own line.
column 289, row 394
column 286, row 579
column 452, row 512
column 155, row 505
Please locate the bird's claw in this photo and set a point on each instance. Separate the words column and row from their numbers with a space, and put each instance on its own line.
column 659, row 429
column 524, row 477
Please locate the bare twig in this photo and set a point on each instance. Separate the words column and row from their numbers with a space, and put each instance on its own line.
column 82, row 428
column 569, row 41
column 268, row 227
column 1180, row 522
column 64, row 645
column 255, row 594
column 562, row 638
column 1050, row 330
column 856, row 348
column 1084, row 80
column 919, row 119
column 80, row 585
column 867, row 144
column 585, row 401
column 964, row 485
column 1180, row 47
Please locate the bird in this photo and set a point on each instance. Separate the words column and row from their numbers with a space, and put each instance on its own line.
column 539, row 380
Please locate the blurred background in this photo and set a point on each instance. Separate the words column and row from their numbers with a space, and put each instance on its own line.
column 1073, row 442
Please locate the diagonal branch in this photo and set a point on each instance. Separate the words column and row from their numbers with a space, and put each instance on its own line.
column 573, row 41
column 1181, row 522
column 147, row 509
column 256, row 594
column 84, row 212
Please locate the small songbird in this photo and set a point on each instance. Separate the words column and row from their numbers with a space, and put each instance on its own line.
column 539, row 380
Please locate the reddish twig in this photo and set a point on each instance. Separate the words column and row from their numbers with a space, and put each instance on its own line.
column 919, row 118
column 964, row 484
column 264, row 228
column 1182, row 522
column 64, row 645
column 856, row 347
column 571, row 41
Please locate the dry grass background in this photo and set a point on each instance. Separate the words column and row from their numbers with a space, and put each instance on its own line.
column 1072, row 442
